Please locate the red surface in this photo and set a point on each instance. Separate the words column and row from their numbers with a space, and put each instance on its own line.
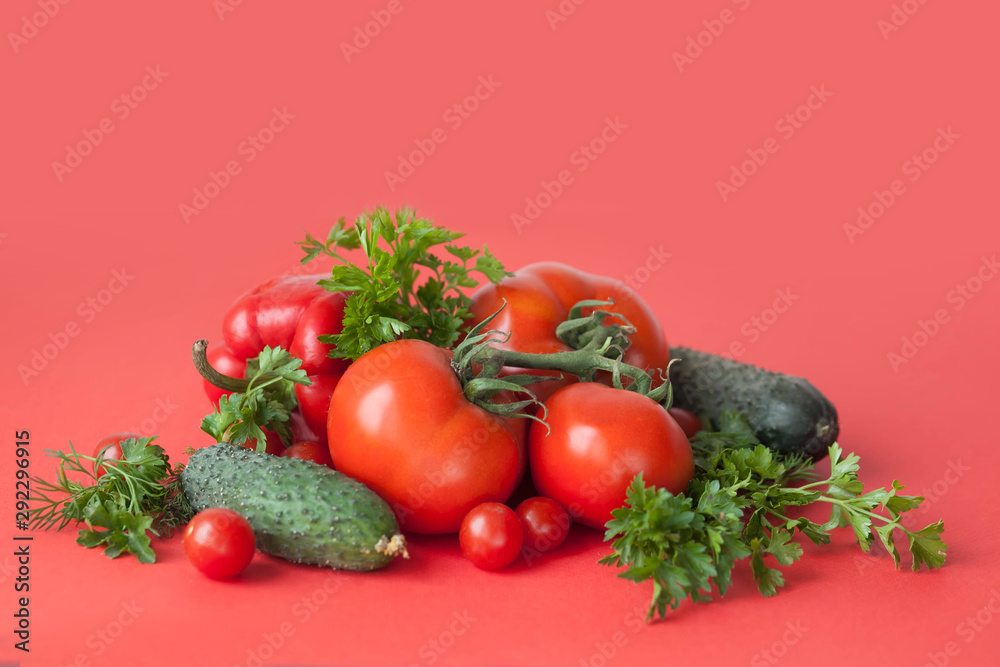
column 652, row 190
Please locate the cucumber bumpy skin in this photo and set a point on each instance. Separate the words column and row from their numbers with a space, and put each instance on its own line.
column 299, row 510
column 787, row 413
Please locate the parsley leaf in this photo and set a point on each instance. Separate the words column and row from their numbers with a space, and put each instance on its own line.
column 401, row 290
column 266, row 404
column 127, row 498
column 685, row 543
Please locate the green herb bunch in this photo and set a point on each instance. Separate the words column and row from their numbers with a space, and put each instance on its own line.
column 402, row 290
column 743, row 503
column 121, row 502
column 266, row 403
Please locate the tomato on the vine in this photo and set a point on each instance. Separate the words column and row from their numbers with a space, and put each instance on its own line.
column 601, row 438
column 546, row 523
column 109, row 448
column 219, row 542
column 400, row 423
column 491, row 536
column 539, row 298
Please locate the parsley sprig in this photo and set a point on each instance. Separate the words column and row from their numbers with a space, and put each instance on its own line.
column 267, row 400
column 138, row 494
column 402, row 290
column 686, row 543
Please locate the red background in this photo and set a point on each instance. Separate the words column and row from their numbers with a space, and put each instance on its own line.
column 655, row 186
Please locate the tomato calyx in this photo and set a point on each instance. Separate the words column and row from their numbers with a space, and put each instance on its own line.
column 579, row 330
column 600, row 347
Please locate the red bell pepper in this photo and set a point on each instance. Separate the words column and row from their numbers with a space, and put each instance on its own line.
column 291, row 312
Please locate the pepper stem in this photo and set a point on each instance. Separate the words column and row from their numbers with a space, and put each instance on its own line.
column 199, row 354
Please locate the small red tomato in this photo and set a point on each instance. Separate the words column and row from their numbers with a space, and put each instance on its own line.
column 109, row 448
column 545, row 522
column 491, row 536
column 687, row 420
column 272, row 445
column 309, row 451
column 219, row 542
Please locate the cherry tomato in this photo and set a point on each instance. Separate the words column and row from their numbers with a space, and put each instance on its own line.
column 109, row 448
column 309, row 451
column 491, row 536
column 272, row 445
column 546, row 523
column 400, row 423
column 687, row 420
column 219, row 542
column 601, row 438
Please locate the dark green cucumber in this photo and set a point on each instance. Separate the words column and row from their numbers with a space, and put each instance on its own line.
column 787, row 413
column 299, row 510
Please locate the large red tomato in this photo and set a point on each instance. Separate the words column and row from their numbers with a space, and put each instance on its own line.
column 539, row 298
column 400, row 423
column 601, row 438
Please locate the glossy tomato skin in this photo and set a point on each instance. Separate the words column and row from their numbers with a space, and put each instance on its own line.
column 687, row 420
column 272, row 444
column 539, row 298
column 309, row 451
column 314, row 402
column 219, row 542
column 109, row 448
column 491, row 536
column 546, row 523
column 400, row 423
column 601, row 438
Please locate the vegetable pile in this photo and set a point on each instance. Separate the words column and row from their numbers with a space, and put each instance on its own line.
column 384, row 398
